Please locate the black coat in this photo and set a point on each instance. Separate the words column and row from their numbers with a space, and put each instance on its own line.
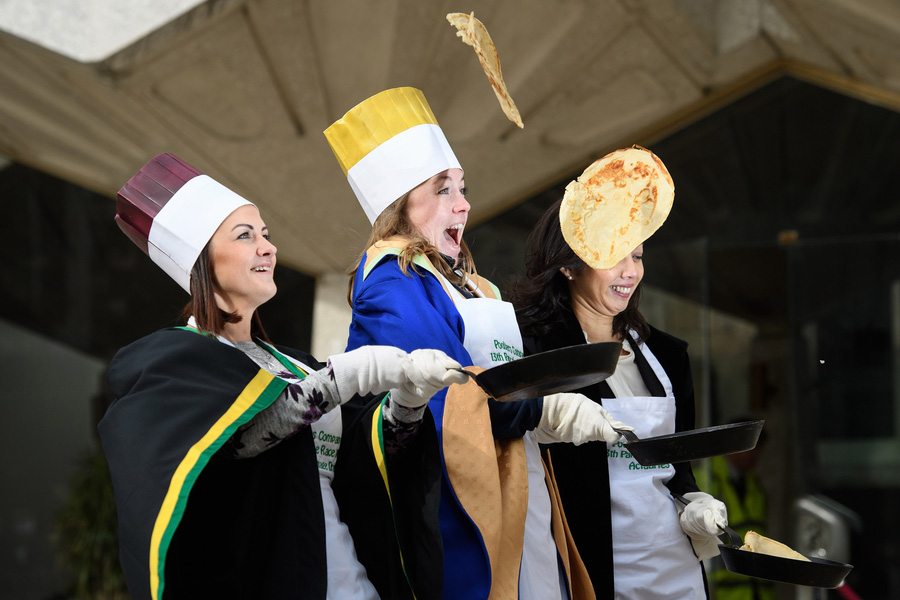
column 582, row 472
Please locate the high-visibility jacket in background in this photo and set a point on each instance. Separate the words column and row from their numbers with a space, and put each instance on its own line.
column 746, row 502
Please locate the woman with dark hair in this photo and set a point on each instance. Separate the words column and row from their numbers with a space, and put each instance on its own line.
column 545, row 292
column 230, row 455
column 415, row 286
column 623, row 520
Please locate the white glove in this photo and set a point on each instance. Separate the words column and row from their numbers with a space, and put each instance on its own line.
column 577, row 419
column 703, row 515
column 428, row 372
column 700, row 519
column 376, row 369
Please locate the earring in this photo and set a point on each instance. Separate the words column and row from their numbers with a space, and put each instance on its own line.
column 570, row 277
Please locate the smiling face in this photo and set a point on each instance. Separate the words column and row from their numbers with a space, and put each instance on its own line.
column 606, row 292
column 243, row 260
column 438, row 209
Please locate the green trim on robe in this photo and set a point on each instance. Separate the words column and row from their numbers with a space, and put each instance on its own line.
column 179, row 398
column 259, row 394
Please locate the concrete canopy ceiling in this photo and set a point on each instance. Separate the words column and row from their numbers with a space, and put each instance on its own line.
column 242, row 89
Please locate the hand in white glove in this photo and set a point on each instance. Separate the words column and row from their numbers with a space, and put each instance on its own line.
column 577, row 419
column 700, row 519
column 428, row 372
column 703, row 515
column 375, row 369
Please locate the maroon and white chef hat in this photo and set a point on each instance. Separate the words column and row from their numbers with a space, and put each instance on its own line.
column 170, row 210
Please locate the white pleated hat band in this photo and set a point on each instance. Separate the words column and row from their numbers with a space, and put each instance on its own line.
column 387, row 145
column 186, row 224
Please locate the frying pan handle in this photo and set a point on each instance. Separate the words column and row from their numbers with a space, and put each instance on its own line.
column 469, row 373
column 629, row 435
column 733, row 535
column 474, row 378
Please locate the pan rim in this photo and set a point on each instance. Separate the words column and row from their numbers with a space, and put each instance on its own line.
column 703, row 430
column 696, row 444
column 818, row 572
column 495, row 380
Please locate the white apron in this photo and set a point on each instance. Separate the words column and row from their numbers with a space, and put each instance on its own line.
column 346, row 576
column 652, row 556
column 492, row 338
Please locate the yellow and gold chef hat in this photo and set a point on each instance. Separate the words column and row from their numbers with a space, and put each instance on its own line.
column 387, row 145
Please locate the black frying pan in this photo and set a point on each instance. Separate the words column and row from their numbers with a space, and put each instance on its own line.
column 560, row 370
column 695, row 444
column 818, row 572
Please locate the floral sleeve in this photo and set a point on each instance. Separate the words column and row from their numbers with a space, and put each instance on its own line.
column 302, row 403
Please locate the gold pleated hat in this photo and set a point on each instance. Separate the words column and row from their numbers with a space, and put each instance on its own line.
column 387, row 145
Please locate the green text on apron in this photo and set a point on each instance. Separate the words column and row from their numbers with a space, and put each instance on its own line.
column 652, row 556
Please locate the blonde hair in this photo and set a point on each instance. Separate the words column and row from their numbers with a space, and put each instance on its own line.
column 393, row 222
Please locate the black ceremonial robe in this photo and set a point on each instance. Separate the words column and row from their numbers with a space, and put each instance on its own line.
column 396, row 534
column 195, row 523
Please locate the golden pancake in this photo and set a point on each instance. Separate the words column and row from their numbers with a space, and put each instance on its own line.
column 615, row 205
column 476, row 35
column 753, row 542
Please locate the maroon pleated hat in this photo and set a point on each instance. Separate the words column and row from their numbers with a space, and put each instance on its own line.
column 144, row 195
column 170, row 210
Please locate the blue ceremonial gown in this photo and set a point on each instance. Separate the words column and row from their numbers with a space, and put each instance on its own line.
column 414, row 311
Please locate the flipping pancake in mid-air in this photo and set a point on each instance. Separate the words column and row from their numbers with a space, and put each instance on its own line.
column 474, row 33
column 615, row 205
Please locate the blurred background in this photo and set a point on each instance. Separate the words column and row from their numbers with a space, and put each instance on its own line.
column 780, row 261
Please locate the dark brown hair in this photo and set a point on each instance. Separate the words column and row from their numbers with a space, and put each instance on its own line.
column 541, row 297
column 393, row 222
column 211, row 319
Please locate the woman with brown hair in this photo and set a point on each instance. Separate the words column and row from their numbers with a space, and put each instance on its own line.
column 228, row 453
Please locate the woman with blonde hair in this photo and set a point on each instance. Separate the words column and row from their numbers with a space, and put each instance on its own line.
column 416, row 286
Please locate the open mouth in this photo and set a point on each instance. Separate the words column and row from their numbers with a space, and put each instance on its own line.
column 621, row 290
column 261, row 269
column 454, row 233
